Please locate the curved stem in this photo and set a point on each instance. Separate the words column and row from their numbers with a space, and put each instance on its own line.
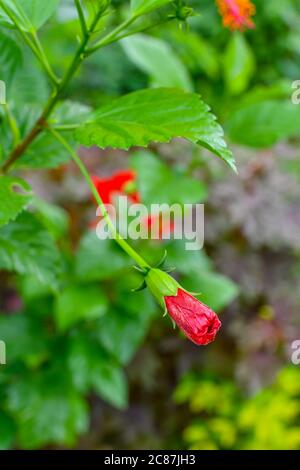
column 116, row 235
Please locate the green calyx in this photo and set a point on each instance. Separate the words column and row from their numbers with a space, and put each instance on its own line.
column 184, row 13
column 161, row 284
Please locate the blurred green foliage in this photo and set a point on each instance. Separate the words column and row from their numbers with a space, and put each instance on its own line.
column 224, row 418
column 72, row 327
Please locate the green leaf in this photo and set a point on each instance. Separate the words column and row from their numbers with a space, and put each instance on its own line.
column 239, row 64
column 92, row 368
column 187, row 262
column 78, row 303
column 217, row 291
column 265, row 123
column 10, row 57
column 47, row 410
column 7, row 431
column 141, row 7
column 110, row 383
column 25, row 338
column 197, row 53
column 31, row 14
column 155, row 115
column 198, row 275
column 11, row 201
column 156, row 58
column 54, row 218
column 27, row 248
column 99, row 259
column 165, row 185
column 124, row 329
column 69, row 112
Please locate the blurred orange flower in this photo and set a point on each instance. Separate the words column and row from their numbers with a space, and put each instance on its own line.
column 237, row 14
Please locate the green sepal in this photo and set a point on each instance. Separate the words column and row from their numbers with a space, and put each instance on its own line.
column 140, row 287
column 161, row 285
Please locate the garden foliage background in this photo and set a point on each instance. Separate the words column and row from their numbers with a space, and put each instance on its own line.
column 89, row 363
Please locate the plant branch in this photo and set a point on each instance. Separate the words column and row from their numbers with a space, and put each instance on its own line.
column 81, row 17
column 35, row 46
column 116, row 235
column 112, row 36
column 41, row 122
column 82, row 52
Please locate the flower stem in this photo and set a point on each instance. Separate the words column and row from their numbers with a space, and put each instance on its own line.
column 116, row 235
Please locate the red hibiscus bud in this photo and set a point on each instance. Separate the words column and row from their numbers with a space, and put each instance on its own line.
column 198, row 322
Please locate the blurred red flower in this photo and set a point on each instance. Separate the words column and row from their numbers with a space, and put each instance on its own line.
column 121, row 182
column 236, row 14
column 124, row 183
column 198, row 322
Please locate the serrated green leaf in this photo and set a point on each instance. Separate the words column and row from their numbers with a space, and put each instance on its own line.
column 165, row 185
column 31, row 14
column 141, row 7
column 156, row 58
column 156, row 115
column 27, row 248
column 77, row 303
column 99, row 259
column 11, row 201
column 265, row 123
